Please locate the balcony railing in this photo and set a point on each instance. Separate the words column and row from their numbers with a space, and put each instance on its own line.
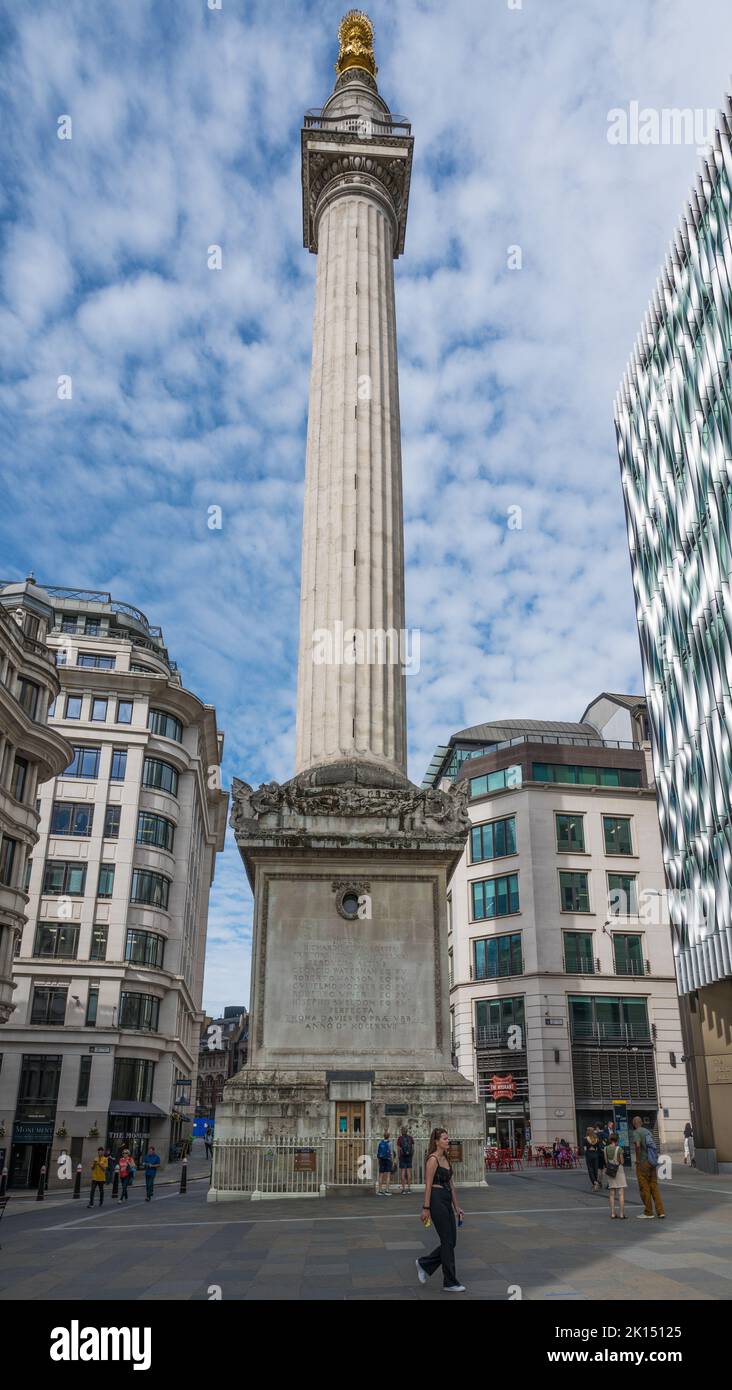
column 631, row 967
column 500, row 972
column 358, row 123
column 582, row 965
column 624, row 1033
column 493, row 1035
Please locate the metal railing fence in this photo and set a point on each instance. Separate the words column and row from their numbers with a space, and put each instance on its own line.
column 302, row 1167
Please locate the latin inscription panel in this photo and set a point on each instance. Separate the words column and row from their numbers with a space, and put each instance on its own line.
column 363, row 987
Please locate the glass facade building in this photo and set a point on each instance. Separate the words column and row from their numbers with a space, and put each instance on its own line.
column 674, row 429
column 673, row 419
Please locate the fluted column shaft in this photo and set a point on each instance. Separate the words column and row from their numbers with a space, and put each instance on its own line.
column 352, row 555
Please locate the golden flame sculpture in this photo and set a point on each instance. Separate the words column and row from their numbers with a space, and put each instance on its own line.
column 356, row 39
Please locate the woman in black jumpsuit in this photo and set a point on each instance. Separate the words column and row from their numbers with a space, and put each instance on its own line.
column 440, row 1202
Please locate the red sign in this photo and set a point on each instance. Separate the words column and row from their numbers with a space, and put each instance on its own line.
column 502, row 1087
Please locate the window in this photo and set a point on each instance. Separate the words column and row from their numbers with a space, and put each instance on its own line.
column 9, row 853
column 96, row 661
column 85, row 763
column 494, row 840
column 622, row 895
column 98, row 948
column 497, row 955
column 149, row 888
column 19, row 779
column 578, row 958
column 119, row 764
column 73, row 706
column 49, row 1006
column 31, row 626
column 495, row 781
column 160, row 775
column 570, row 833
column 145, row 948
column 52, row 708
column 91, row 627
column 609, row 1019
column 124, row 711
column 99, row 711
column 155, row 830
column 82, row 1089
column 495, row 897
column 106, row 881
column 617, row 835
column 587, row 776
column 111, row 822
column 628, row 952
column 28, row 693
column 574, row 892
column 158, row 722
column 67, row 624
column 92, row 1002
column 60, row 656
column 26, row 884
column 38, row 1089
column 63, row 877
column 57, row 939
column 139, row 1011
column 133, row 1079
column 493, row 1018
column 72, row 818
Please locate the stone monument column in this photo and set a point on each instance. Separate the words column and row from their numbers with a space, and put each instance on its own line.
column 356, row 163
column 348, row 861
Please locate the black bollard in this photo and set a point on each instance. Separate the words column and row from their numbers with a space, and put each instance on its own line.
column 115, row 1181
column 3, row 1182
column 184, row 1176
column 77, row 1181
column 41, row 1186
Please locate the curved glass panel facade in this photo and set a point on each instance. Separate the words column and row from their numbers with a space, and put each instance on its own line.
column 673, row 420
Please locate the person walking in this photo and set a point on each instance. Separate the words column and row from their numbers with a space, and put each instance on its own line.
column 592, row 1158
column 600, row 1157
column 126, row 1173
column 646, row 1163
column 386, row 1165
column 98, row 1177
column 110, row 1165
column 616, row 1179
column 440, row 1208
column 689, row 1150
column 150, row 1163
column 405, row 1150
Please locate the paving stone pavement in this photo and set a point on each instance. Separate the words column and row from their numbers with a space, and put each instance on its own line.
column 543, row 1233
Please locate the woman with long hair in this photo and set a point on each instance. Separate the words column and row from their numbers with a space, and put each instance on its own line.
column 440, row 1207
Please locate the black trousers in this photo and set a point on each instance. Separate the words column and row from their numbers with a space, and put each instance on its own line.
column 100, row 1185
column 443, row 1220
column 593, row 1166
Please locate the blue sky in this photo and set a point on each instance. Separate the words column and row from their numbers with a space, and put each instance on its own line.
column 190, row 385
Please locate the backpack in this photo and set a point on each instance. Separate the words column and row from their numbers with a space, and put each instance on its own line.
column 406, row 1145
column 384, row 1149
column 651, row 1151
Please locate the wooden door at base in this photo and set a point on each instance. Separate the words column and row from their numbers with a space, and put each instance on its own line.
column 350, row 1123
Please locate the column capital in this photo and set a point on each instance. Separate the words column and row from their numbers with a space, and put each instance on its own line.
column 355, row 153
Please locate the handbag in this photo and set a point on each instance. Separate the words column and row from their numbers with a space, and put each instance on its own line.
column 610, row 1167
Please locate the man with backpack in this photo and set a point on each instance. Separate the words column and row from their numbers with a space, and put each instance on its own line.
column 405, row 1148
column 386, row 1165
column 646, row 1164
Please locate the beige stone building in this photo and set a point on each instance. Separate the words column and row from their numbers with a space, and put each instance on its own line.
column 102, row 1047
column 30, row 753
column 563, row 993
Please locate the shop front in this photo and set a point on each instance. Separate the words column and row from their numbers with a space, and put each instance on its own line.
column 507, row 1118
column 130, row 1125
column 30, row 1151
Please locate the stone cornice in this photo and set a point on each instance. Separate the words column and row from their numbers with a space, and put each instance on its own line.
column 332, row 158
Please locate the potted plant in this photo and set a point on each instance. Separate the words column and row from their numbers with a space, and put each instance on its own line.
column 62, row 1131
column 94, row 1131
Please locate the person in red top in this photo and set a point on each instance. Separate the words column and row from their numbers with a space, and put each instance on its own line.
column 126, row 1173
